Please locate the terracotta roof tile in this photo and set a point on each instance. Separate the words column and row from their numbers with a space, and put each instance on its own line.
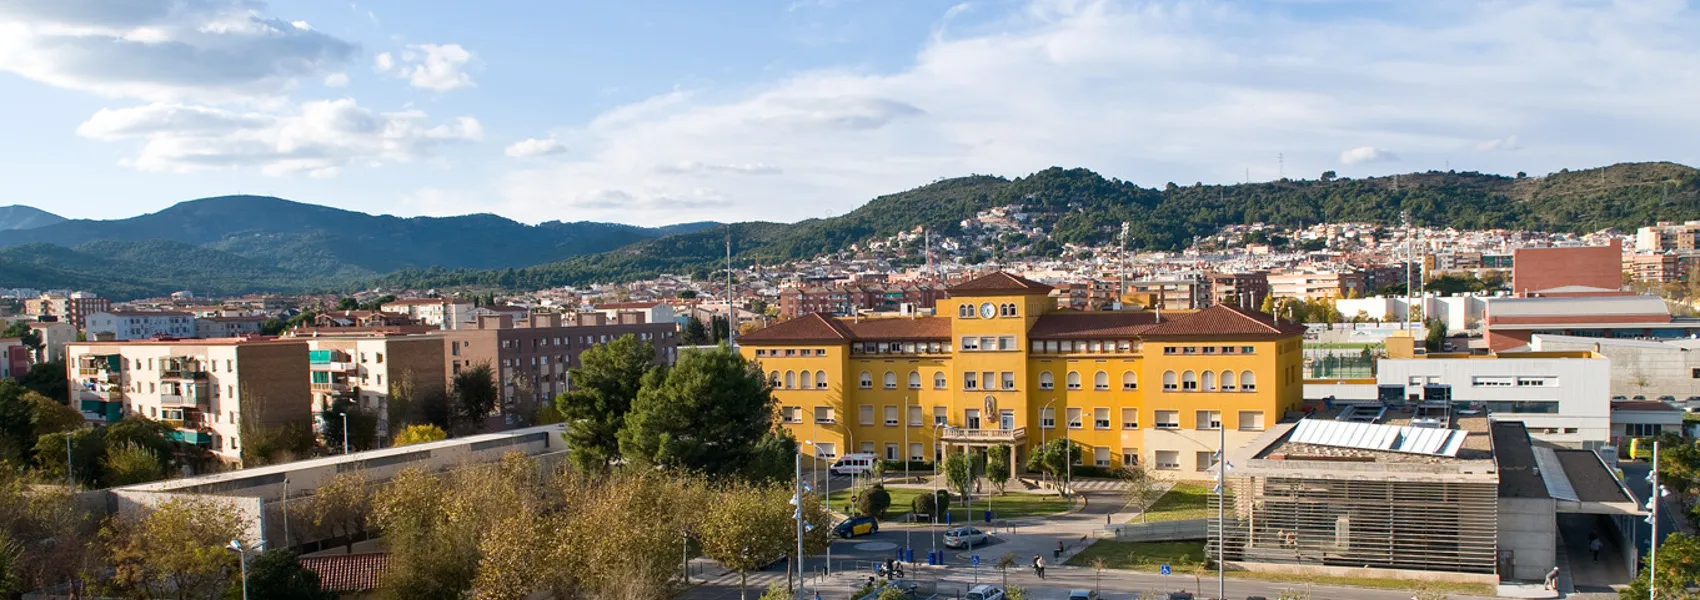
column 1225, row 321
column 811, row 327
column 340, row 573
column 998, row 282
column 899, row 328
column 1091, row 325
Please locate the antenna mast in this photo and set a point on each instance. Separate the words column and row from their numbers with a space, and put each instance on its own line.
column 1121, row 269
column 731, row 311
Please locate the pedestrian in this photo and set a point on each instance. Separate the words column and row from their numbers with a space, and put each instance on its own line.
column 1041, row 567
column 1552, row 579
column 1038, row 570
column 1594, row 546
column 1059, row 552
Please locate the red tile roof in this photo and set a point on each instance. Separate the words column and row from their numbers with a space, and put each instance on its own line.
column 1223, row 321
column 998, row 282
column 813, row 327
column 340, row 573
column 1092, row 325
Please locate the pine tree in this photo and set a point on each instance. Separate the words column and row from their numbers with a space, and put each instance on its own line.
column 603, row 389
column 708, row 413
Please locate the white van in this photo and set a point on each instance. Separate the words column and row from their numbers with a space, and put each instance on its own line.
column 853, row 464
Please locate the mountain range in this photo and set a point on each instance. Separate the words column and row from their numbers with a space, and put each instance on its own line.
column 237, row 244
column 18, row 216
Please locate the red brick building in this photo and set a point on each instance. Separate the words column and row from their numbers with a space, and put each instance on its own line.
column 1570, row 271
column 848, row 299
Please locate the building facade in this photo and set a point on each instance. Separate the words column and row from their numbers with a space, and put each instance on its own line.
column 1001, row 365
column 1245, row 290
column 1666, row 236
column 218, row 327
column 1536, row 270
column 1315, row 285
column 125, row 325
column 73, row 308
column 54, row 336
column 206, row 389
column 849, row 299
column 1562, row 398
column 1173, row 294
column 442, row 313
column 368, row 370
column 530, row 357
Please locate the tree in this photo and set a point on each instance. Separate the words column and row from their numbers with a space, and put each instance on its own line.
column 87, row 454
column 48, row 379
column 339, row 509
column 1679, row 564
column 278, row 575
column 419, row 434
column 473, row 398
column 604, row 386
column 26, row 335
column 362, row 426
column 719, row 328
column 174, row 550
column 347, row 304
column 874, row 501
column 931, row 504
column 1005, row 562
column 686, row 294
column 695, row 333
column 997, row 466
column 1053, row 457
column 749, row 526
column 1268, row 306
column 45, row 539
column 1143, row 488
column 17, row 421
column 130, row 463
column 707, row 414
column 959, row 474
column 427, row 540
column 1436, row 335
column 1328, row 176
column 51, row 417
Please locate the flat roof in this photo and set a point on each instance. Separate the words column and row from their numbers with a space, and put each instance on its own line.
column 1519, row 476
column 1590, row 478
column 1592, row 305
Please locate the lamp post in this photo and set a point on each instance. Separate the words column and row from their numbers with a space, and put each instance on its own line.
column 938, row 474
column 1653, row 490
column 907, row 539
column 826, row 497
column 1221, row 510
column 345, row 431
column 1042, row 424
column 242, row 558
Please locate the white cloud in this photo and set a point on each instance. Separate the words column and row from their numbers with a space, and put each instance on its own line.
column 163, row 50
column 1505, row 143
column 336, row 80
column 1151, row 91
column 1366, row 154
column 430, row 66
column 316, row 138
column 535, row 147
column 701, row 168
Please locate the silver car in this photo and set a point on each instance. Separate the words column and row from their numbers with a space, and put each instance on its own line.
column 964, row 537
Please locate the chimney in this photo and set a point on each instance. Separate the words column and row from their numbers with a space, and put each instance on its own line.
column 495, row 322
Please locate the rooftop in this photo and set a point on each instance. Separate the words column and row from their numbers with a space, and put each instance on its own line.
column 998, row 282
column 341, row 573
column 1584, row 306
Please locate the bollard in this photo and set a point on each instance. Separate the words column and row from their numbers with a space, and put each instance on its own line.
column 988, row 515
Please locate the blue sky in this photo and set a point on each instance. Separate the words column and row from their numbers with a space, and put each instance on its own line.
column 655, row 112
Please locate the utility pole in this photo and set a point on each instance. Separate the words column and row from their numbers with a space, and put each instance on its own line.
column 801, row 572
column 1410, row 254
column 731, row 311
column 1653, row 490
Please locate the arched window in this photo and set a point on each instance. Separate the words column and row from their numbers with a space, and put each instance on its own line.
column 867, row 380
column 1047, row 381
column 773, row 379
column 1074, row 380
column 1008, row 310
column 965, row 311
column 1101, row 381
column 1189, row 381
column 939, row 381
column 790, row 379
column 1228, row 381
column 820, row 380
column 1248, row 381
column 890, row 380
column 1209, row 381
column 914, row 380
column 1168, row 381
column 1130, row 380
column 808, row 381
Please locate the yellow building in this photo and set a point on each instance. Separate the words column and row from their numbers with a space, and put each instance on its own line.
column 1002, row 365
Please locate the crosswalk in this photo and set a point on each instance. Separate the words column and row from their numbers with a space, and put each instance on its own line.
column 1099, row 485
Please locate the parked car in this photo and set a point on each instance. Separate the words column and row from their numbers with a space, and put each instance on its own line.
column 1619, row 398
column 984, row 592
column 964, row 537
column 855, row 526
column 1667, row 398
column 1082, row 595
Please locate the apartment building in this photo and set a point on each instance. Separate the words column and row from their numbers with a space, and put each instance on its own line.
column 851, row 298
column 14, row 358
column 369, row 369
column 1567, row 271
column 653, row 311
column 1666, row 236
column 73, row 308
column 442, row 313
column 125, row 325
column 1173, row 294
column 1663, row 267
column 206, row 389
column 1246, row 290
column 1002, row 365
column 530, row 356
column 1316, row 285
column 219, row 327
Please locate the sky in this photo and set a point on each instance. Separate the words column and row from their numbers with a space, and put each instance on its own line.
column 653, row 112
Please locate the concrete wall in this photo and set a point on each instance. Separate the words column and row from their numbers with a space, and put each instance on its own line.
column 1580, row 386
column 129, row 503
column 1528, row 531
column 1358, row 572
column 1639, row 368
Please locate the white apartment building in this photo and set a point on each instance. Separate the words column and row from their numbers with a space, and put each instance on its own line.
column 1312, row 285
column 125, row 325
column 1457, row 312
column 205, row 389
column 442, row 313
column 220, row 327
column 1563, row 398
column 653, row 312
column 367, row 370
column 54, row 336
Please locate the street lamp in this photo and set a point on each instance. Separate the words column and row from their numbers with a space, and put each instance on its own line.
column 242, row 557
column 345, row 431
column 826, row 497
column 938, row 474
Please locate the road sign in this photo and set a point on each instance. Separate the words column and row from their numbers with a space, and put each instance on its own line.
column 1166, row 569
column 974, row 558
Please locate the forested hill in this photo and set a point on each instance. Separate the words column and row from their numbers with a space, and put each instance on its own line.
column 1082, row 207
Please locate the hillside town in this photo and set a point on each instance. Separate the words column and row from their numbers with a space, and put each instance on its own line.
column 1517, row 378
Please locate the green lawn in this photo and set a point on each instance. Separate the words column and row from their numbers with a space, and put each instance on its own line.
column 1184, row 556
column 1184, row 501
column 1143, row 556
column 1007, row 506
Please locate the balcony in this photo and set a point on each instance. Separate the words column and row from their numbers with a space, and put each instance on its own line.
column 185, row 373
column 333, row 367
column 190, row 436
column 331, row 386
column 984, row 436
column 192, row 398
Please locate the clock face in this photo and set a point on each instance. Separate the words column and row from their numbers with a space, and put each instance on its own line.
column 988, row 311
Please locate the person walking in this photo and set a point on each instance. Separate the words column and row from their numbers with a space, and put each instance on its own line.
column 1595, row 545
column 1552, row 579
column 1039, row 564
